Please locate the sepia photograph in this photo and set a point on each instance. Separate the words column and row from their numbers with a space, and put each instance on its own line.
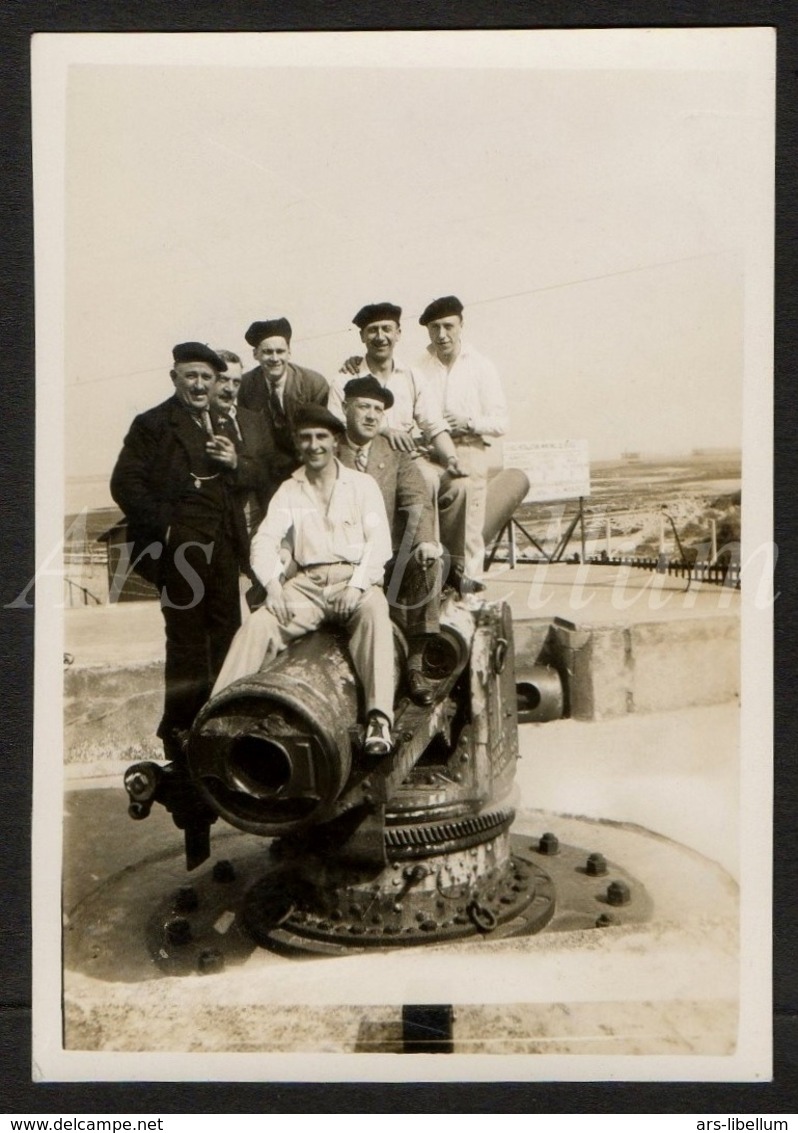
column 404, row 555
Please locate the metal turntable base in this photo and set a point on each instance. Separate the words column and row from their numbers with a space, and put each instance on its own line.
column 221, row 915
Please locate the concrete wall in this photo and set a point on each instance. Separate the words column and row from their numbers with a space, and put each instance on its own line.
column 112, row 711
column 613, row 670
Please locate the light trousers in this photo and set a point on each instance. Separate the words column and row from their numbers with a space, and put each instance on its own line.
column 308, row 597
column 460, row 504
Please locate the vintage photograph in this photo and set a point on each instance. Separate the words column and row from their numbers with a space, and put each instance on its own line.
column 403, row 687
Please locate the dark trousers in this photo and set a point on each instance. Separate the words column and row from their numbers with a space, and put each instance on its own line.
column 413, row 594
column 201, row 610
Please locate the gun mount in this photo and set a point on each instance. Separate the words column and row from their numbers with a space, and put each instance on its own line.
column 411, row 849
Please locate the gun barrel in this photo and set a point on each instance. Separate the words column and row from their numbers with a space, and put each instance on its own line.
column 505, row 492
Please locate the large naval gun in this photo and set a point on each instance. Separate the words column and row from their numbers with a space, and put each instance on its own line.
column 413, row 848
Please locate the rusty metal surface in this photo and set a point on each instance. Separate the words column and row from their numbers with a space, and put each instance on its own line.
column 252, row 897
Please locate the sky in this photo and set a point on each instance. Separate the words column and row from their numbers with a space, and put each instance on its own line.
column 594, row 219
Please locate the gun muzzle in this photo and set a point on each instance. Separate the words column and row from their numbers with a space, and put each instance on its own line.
column 274, row 751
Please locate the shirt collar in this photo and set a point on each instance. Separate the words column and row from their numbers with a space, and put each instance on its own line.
column 398, row 368
column 344, row 473
column 279, row 384
column 465, row 350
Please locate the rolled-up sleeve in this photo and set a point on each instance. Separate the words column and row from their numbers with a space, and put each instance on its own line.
column 268, row 539
column 335, row 400
column 493, row 419
column 428, row 410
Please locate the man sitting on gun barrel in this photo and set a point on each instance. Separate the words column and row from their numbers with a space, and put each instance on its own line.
column 413, row 579
column 335, row 521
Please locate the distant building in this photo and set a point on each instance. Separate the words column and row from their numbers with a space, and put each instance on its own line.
column 720, row 453
column 632, row 457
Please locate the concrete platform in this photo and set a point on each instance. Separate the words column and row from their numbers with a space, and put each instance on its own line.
column 624, row 641
column 666, row 987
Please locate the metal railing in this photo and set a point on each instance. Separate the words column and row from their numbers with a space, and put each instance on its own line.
column 721, row 573
column 84, row 596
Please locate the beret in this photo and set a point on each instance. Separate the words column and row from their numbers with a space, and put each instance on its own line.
column 268, row 328
column 198, row 352
column 369, row 386
column 441, row 308
column 376, row 313
column 313, row 416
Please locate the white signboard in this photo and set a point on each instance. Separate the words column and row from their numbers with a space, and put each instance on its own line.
column 557, row 470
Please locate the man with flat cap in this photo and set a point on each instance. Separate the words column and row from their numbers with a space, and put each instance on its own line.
column 468, row 387
column 335, row 521
column 276, row 388
column 414, row 573
column 180, row 483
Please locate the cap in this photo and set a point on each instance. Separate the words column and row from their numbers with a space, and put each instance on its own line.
column 441, row 308
column 369, row 386
column 198, row 352
column 268, row 328
column 312, row 416
column 376, row 313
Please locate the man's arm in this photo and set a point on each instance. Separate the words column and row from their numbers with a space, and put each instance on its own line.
column 247, row 393
column 267, row 542
column 131, row 481
column 493, row 419
column 335, row 400
column 317, row 388
column 377, row 548
column 427, row 410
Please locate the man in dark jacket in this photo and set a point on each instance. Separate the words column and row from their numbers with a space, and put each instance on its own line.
column 245, row 428
column 181, row 482
column 276, row 389
column 413, row 577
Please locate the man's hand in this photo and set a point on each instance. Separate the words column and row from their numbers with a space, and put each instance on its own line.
column 344, row 604
column 454, row 469
column 458, row 426
column 400, row 440
column 223, row 451
column 275, row 602
column 352, row 366
column 427, row 553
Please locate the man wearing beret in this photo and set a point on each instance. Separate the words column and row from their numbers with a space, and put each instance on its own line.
column 276, row 388
column 415, row 571
column 180, row 483
column 475, row 410
column 414, row 414
column 336, row 523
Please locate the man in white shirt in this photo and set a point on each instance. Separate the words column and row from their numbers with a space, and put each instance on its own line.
column 415, row 417
column 335, row 520
column 474, row 407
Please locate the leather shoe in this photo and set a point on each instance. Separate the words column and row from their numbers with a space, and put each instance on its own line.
column 466, row 585
column 419, row 689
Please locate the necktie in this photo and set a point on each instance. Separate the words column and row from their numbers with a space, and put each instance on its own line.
column 361, row 459
column 278, row 416
column 232, row 415
column 207, row 424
